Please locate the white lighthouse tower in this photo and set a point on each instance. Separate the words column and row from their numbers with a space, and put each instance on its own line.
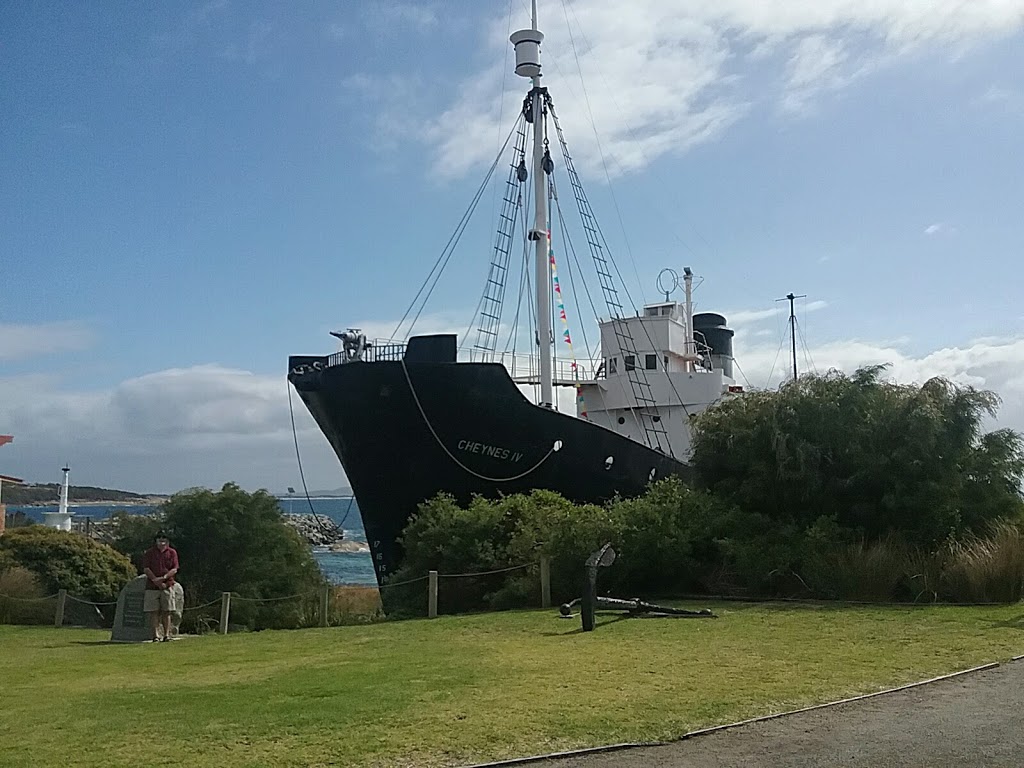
column 61, row 519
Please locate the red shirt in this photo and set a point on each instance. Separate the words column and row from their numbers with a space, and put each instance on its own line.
column 159, row 563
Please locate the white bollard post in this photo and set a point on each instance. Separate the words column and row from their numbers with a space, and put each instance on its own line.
column 225, row 611
column 432, row 595
column 58, row 615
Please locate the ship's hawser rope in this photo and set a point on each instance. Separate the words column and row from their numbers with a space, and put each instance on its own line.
column 455, row 458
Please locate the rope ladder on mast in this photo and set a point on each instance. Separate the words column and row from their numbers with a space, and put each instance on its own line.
column 646, row 411
column 497, row 275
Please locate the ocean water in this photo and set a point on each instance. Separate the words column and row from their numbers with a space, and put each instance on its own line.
column 338, row 567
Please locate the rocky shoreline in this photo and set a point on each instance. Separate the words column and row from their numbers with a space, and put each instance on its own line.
column 319, row 531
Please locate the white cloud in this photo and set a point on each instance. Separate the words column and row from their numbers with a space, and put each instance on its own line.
column 419, row 15
column 381, row 18
column 1003, row 99
column 435, row 322
column 164, row 431
column 254, row 47
column 397, row 103
column 995, row 94
column 939, row 228
column 746, row 317
column 336, row 31
column 665, row 76
column 818, row 63
column 18, row 342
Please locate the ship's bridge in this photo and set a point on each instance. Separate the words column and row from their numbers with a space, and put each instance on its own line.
column 658, row 372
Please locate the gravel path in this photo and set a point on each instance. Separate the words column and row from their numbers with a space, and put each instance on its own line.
column 974, row 720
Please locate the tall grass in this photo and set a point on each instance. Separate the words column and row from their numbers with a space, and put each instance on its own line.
column 985, row 569
column 355, row 605
column 20, row 603
column 875, row 571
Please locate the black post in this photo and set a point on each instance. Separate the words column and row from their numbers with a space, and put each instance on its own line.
column 589, row 600
column 602, row 558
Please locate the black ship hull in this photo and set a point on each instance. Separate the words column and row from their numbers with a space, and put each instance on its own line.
column 405, row 431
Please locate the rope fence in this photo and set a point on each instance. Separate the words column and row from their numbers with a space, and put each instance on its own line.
column 484, row 573
column 89, row 602
column 28, row 599
column 322, row 610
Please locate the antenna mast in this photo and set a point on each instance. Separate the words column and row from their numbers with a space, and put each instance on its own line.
column 792, row 324
column 527, row 46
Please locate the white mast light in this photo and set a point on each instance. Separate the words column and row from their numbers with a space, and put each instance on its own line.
column 527, row 43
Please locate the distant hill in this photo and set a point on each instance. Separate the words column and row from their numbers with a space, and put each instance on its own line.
column 49, row 493
column 299, row 493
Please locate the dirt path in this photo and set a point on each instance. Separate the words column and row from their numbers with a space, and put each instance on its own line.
column 974, row 720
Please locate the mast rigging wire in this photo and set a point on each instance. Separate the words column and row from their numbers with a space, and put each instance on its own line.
column 302, row 474
column 453, row 240
column 600, row 150
column 655, row 200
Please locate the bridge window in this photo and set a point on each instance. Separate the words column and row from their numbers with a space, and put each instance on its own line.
column 613, row 365
column 651, row 362
column 630, row 361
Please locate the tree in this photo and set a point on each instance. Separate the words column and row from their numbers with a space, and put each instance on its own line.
column 231, row 541
column 62, row 560
column 874, row 456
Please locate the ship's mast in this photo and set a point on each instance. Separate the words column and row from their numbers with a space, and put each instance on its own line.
column 690, row 351
column 791, row 297
column 527, row 45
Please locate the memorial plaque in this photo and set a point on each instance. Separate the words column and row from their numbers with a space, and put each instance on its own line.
column 131, row 625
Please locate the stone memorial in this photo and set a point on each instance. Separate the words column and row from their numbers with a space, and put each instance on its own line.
column 131, row 625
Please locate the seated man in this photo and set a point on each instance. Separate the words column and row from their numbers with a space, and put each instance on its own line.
column 163, row 596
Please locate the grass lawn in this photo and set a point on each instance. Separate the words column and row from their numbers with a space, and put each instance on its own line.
column 459, row 689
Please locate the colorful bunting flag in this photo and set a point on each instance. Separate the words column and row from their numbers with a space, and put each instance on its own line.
column 582, row 409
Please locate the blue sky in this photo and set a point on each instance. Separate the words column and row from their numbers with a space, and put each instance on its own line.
column 192, row 192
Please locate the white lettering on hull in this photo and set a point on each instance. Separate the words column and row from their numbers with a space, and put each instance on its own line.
column 494, row 451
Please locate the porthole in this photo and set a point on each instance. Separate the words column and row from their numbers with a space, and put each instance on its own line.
column 557, row 446
column 622, row 419
column 608, row 462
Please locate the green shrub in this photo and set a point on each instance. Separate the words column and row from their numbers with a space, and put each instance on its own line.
column 675, row 540
column 63, row 560
column 662, row 542
column 878, row 457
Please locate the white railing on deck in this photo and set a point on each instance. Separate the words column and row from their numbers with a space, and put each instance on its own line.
column 527, row 367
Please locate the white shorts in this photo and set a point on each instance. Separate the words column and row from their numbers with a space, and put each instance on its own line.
column 169, row 600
